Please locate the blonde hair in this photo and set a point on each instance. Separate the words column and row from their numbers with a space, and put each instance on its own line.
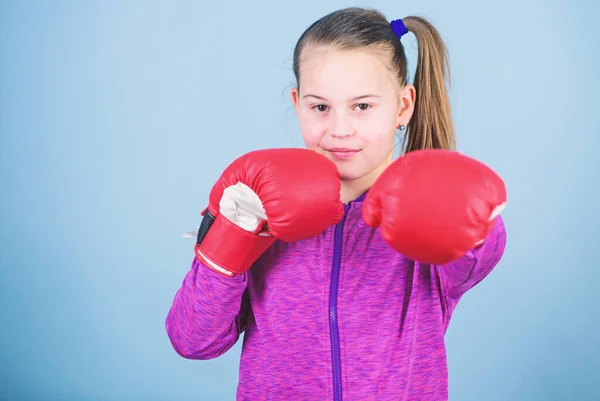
column 352, row 28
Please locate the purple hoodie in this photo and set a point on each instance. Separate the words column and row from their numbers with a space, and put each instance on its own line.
column 341, row 316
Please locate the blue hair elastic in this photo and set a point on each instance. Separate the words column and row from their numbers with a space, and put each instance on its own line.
column 399, row 28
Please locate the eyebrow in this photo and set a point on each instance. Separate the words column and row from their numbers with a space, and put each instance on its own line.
column 354, row 98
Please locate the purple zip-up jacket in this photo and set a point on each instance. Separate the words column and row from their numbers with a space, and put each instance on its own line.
column 341, row 316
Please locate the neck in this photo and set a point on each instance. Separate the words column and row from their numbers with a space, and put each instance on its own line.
column 352, row 189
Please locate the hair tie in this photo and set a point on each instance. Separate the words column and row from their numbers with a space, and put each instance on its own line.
column 399, row 28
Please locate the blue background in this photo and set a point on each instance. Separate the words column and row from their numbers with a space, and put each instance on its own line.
column 117, row 117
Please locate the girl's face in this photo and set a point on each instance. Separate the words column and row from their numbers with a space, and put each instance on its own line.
column 349, row 106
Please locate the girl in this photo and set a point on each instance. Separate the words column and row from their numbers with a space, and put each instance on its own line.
column 343, row 266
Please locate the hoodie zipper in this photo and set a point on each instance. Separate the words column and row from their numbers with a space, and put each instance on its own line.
column 333, row 322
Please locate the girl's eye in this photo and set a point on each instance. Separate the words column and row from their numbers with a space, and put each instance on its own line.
column 363, row 106
column 320, row 107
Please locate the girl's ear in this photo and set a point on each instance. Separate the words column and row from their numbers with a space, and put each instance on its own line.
column 407, row 98
column 295, row 97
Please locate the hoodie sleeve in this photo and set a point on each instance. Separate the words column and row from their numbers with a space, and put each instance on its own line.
column 463, row 274
column 208, row 313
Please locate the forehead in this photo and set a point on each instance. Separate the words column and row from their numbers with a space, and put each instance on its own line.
column 329, row 70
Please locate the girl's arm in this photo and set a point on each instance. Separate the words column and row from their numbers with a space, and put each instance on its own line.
column 459, row 276
column 208, row 313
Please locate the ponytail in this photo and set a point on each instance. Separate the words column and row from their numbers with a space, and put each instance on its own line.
column 431, row 124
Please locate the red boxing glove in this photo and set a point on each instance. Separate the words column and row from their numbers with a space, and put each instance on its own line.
column 287, row 194
column 435, row 205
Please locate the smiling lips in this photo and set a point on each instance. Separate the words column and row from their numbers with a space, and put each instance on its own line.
column 342, row 153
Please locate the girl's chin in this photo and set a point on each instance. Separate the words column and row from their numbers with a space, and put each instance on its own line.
column 350, row 170
column 347, row 174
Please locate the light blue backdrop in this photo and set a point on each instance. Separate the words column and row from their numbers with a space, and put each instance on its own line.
column 116, row 118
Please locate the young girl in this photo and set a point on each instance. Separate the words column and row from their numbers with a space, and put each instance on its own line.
column 343, row 266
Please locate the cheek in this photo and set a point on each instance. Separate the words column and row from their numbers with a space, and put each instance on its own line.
column 311, row 130
column 378, row 136
column 377, row 147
